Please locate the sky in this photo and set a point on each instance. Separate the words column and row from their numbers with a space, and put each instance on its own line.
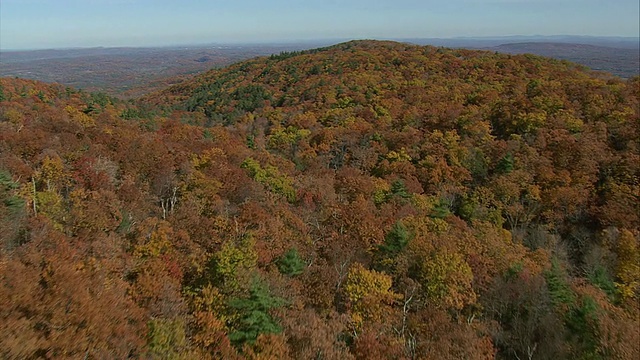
column 39, row 24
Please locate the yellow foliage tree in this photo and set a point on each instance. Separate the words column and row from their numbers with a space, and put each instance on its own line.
column 79, row 117
column 628, row 268
column 446, row 279
column 235, row 263
column 52, row 172
column 209, row 322
column 369, row 294
column 156, row 242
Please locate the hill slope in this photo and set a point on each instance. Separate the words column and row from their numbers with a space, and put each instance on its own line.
column 127, row 72
column 366, row 200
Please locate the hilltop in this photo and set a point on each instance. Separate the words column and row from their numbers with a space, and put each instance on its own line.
column 360, row 201
column 132, row 72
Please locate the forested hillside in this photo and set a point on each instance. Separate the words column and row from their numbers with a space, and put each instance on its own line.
column 370, row 200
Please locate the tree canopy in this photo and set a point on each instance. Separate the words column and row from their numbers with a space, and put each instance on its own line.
column 365, row 200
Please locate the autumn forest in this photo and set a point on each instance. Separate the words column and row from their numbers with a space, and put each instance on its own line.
column 368, row 200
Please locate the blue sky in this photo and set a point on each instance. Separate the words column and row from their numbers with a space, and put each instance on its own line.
column 31, row 24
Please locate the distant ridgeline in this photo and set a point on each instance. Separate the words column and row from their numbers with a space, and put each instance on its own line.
column 623, row 62
column 362, row 201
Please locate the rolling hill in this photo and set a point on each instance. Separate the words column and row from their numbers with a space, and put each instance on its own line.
column 366, row 200
column 127, row 72
column 131, row 72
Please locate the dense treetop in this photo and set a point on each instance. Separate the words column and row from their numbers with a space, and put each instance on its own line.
column 367, row 200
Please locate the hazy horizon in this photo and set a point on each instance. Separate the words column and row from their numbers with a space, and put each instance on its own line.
column 444, row 41
column 42, row 24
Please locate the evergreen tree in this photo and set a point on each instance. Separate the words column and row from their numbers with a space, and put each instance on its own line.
column 505, row 165
column 254, row 318
column 291, row 264
column 396, row 240
column 400, row 190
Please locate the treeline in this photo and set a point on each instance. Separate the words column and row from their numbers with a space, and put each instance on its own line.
column 370, row 200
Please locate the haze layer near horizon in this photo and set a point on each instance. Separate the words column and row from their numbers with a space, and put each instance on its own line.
column 39, row 24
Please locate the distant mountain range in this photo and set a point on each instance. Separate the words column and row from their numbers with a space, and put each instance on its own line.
column 619, row 56
column 621, row 62
column 483, row 42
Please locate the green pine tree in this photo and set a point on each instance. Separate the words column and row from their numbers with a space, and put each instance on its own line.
column 400, row 190
column 254, row 318
column 559, row 290
column 291, row 264
column 396, row 240
column 506, row 164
